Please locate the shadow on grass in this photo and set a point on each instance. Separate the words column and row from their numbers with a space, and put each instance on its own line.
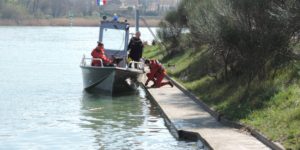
column 154, row 52
column 198, row 66
column 233, row 99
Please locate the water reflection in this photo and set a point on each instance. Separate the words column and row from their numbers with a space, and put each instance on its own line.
column 126, row 122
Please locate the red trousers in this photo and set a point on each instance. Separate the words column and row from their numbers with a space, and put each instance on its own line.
column 158, row 78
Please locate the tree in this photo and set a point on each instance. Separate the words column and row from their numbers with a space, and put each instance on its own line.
column 171, row 29
column 245, row 37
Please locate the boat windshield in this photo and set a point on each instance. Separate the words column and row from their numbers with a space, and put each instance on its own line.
column 114, row 39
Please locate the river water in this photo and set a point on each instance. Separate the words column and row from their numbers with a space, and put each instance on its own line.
column 43, row 105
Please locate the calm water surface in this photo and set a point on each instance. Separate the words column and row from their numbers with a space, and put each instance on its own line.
column 43, row 106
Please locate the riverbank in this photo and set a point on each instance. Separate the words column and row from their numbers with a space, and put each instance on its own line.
column 196, row 123
column 153, row 22
column 270, row 106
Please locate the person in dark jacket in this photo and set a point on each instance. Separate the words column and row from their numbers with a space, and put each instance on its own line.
column 136, row 47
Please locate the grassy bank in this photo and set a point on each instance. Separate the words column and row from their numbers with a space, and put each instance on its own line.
column 272, row 105
column 67, row 22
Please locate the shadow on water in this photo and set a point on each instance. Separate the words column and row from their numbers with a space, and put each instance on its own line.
column 134, row 89
column 126, row 122
column 115, row 121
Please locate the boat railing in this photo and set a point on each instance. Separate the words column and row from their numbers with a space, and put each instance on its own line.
column 136, row 65
column 90, row 60
column 131, row 65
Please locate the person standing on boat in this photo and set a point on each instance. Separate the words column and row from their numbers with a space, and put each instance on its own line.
column 136, row 47
column 115, row 18
column 98, row 52
column 156, row 74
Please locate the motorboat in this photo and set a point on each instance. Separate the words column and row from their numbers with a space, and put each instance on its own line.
column 124, row 76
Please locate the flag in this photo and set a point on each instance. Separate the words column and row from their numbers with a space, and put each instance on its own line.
column 101, row 2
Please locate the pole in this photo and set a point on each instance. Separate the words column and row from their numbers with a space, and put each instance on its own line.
column 71, row 18
column 137, row 17
column 137, row 20
column 99, row 23
column 99, row 15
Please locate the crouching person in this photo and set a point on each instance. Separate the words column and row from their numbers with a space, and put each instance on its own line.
column 156, row 74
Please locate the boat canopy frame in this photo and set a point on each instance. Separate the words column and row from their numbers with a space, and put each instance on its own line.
column 121, row 30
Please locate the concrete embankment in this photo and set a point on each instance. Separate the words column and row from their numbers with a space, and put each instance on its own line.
column 193, row 121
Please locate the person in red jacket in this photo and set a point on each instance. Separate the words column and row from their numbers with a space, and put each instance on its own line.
column 157, row 74
column 98, row 52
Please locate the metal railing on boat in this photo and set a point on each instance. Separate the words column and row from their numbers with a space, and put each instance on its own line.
column 131, row 64
column 136, row 65
column 83, row 61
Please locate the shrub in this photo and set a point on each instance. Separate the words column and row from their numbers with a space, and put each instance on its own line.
column 245, row 37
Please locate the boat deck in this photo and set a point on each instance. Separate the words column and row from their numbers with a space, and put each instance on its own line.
column 189, row 117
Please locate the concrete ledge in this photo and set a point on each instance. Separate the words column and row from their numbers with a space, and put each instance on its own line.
column 179, row 134
column 223, row 120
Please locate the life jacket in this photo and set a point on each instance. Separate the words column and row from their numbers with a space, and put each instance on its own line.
column 99, row 53
column 156, row 69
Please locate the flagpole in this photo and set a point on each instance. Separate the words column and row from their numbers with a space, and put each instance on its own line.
column 98, row 4
column 99, row 15
column 137, row 16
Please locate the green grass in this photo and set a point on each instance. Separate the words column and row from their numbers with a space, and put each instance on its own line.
column 271, row 106
column 153, row 52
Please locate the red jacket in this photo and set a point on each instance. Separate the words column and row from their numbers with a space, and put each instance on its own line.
column 156, row 69
column 98, row 52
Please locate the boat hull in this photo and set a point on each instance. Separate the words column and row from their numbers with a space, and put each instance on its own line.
column 110, row 80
